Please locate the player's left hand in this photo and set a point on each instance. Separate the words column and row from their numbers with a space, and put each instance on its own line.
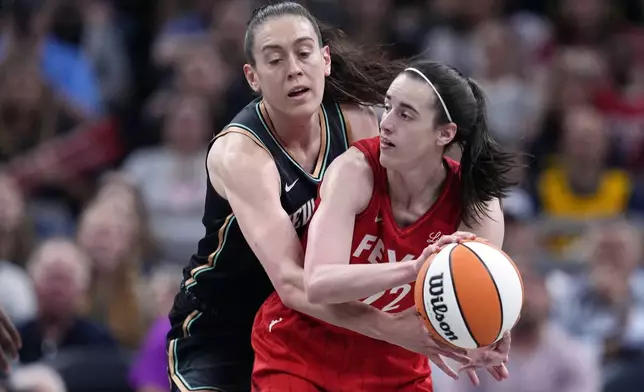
column 492, row 358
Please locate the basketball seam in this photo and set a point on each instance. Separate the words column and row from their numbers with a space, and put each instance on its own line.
column 496, row 288
column 458, row 303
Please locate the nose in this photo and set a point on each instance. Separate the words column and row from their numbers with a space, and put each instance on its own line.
column 294, row 68
column 386, row 123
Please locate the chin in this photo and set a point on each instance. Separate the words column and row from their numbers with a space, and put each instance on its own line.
column 305, row 109
column 387, row 161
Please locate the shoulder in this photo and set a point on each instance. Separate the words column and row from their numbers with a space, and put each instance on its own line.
column 350, row 177
column 237, row 148
column 352, row 163
column 362, row 121
column 238, row 162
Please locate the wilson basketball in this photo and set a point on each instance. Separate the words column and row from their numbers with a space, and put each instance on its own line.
column 469, row 294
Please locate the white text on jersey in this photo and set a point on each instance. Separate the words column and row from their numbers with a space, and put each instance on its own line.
column 303, row 215
column 373, row 244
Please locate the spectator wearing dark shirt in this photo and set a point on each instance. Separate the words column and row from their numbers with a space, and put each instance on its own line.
column 60, row 272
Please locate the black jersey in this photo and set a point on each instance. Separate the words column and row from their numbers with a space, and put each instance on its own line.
column 225, row 274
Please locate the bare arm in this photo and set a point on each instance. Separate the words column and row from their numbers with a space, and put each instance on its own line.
column 246, row 176
column 328, row 276
column 492, row 227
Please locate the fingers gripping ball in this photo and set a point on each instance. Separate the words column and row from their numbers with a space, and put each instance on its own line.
column 469, row 294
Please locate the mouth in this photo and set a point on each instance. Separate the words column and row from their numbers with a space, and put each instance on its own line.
column 385, row 143
column 298, row 91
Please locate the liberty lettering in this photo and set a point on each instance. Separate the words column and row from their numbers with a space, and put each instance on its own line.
column 302, row 216
column 438, row 307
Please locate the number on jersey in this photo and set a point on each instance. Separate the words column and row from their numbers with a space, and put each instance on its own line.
column 398, row 293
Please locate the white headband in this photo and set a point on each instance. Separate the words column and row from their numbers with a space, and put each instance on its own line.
column 422, row 75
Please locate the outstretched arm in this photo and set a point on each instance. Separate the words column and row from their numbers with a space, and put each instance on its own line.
column 328, row 276
column 247, row 177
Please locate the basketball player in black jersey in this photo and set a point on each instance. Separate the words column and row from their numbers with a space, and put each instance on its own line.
column 263, row 171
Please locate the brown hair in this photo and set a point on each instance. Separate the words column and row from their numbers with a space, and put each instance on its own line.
column 486, row 167
column 358, row 75
column 122, row 309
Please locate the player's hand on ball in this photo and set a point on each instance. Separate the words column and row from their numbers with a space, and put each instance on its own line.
column 458, row 236
column 492, row 358
column 409, row 332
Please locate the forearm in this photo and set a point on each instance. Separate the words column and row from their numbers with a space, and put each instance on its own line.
column 355, row 316
column 339, row 283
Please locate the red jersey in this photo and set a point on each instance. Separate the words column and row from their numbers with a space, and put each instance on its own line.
column 303, row 353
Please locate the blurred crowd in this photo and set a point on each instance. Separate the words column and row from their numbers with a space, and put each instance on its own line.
column 106, row 108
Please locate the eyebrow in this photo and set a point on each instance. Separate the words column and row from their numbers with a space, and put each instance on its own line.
column 404, row 105
column 279, row 47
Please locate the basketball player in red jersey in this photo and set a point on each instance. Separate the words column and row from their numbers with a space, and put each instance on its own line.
column 314, row 89
column 379, row 206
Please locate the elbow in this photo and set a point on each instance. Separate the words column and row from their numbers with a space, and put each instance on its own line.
column 315, row 296
column 289, row 291
column 288, row 294
column 317, row 291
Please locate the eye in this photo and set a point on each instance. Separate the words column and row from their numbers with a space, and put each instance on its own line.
column 387, row 108
column 405, row 116
column 305, row 55
column 274, row 61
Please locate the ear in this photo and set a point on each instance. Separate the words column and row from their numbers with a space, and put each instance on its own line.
column 446, row 134
column 251, row 78
column 326, row 56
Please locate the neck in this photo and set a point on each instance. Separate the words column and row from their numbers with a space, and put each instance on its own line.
column 294, row 131
column 419, row 184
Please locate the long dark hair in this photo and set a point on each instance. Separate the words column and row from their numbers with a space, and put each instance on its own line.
column 358, row 75
column 486, row 169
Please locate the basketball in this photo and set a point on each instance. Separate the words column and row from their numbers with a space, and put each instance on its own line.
column 469, row 294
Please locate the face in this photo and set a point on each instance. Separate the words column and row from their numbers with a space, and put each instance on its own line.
column 408, row 134
column 290, row 66
column 60, row 277
column 204, row 72
column 585, row 138
column 187, row 126
column 107, row 232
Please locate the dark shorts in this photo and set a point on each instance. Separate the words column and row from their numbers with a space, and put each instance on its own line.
column 205, row 353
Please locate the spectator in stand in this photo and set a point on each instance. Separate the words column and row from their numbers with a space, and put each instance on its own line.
column 17, row 295
column 171, row 177
column 61, row 275
column 112, row 231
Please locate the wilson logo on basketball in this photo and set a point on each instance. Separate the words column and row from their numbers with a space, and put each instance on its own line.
column 438, row 306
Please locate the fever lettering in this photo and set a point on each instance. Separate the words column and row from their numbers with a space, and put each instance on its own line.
column 377, row 249
column 439, row 308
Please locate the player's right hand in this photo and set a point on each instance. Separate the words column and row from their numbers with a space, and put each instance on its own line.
column 10, row 341
column 407, row 330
